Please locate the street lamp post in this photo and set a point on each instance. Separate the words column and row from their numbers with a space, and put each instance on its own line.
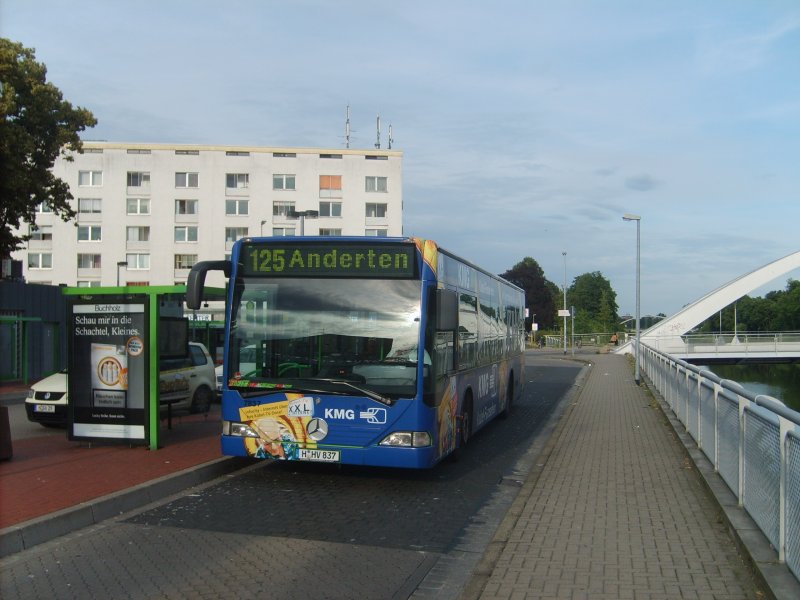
column 564, row 254
column 302, row 214
column 122, row 263
column 638, row 219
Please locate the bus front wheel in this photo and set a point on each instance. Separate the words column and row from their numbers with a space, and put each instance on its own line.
column 509, row 397
column 466, row 421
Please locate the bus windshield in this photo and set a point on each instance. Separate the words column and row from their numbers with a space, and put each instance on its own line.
column 292, row 330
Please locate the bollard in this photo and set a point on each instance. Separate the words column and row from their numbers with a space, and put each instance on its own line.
column 5, row 434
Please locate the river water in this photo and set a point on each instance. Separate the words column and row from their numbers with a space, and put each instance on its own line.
column 779, row 381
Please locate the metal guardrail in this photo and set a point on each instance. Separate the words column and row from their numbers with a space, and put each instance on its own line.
column 752, row 440
column 786, row 344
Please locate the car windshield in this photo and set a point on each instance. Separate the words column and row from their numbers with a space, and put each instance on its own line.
column 293, row 330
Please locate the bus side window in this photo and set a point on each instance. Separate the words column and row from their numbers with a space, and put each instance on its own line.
column 445, row 329
column 445, row 359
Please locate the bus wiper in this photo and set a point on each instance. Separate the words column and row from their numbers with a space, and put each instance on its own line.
column 261, row 389
column 368, row 393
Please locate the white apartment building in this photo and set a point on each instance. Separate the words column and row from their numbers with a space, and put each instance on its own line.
column 148, row 212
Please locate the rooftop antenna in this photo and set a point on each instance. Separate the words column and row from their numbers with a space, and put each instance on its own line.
column 391, row 138
column 347, row 128
column 378, row 143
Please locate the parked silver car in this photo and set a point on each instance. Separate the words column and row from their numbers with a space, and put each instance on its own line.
column 185, row 383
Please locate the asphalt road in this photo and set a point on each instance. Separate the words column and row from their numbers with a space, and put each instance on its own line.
column 21, row 427
column 306, row 530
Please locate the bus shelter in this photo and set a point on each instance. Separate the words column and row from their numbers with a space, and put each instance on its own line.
column 116, row 339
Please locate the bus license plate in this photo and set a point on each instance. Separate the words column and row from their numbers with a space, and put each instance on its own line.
column 48, row 408
column 318, row 455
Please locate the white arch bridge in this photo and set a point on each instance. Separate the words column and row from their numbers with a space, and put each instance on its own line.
column 671, row 335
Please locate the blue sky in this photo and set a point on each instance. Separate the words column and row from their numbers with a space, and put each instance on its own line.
column 528, row 127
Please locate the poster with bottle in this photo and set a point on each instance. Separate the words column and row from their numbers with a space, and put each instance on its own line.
column 108, row 368
column 109, row 376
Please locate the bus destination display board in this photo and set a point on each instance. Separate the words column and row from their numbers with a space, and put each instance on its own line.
column 380, row 261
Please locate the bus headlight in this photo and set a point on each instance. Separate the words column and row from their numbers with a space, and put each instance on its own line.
column 237, row 429
column 407, row 439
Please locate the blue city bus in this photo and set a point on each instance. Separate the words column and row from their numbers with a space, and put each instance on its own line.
column 366, row 351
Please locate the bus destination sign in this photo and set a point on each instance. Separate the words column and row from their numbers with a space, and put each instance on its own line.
column 380, row 261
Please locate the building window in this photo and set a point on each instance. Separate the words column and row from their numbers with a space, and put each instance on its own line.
column 85, row 283
column 284, row 154
column 375, row 184
column 138, row 206
column 89, row 233
column 185, row 261
column 234, row 233
column 138, row 234
column 376, row 157
column 283, row 181
column 334, row 232
column 376, row 232
column 185, row 207
column 187, row 152
column 330, row 186
column 90, row 205
column 375, row 209
column 138, row 262
column 330, row 156
column 90, row 178
column 40, row 260
column 43, row 234
column 282, row 231
column 236, row 153
column 330, row 182
column 138, row 178
column 330, row 209
column 89, row 261
column 186, row 180
column 138, row 151
column 43, row 207
column 237, row 180
column 281, row 208
column 236, row 207
column 186, row 233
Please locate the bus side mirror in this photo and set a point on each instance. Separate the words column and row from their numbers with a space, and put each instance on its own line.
column 197, row 280
column 446, row 310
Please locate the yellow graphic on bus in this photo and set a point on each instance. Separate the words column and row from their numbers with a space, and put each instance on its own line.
column 429, row 251
column 279, row 435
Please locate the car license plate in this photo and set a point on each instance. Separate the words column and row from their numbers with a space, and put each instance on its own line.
column 318, row 455
column 48, row 408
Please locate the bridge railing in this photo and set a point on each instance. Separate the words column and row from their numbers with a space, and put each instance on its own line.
column 752, row 440
column 740, row 344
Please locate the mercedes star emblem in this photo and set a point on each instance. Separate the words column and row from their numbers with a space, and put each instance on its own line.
column 317, row 429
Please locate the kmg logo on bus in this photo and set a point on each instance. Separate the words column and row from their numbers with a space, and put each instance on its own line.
column 373, row 415
column 487, row 383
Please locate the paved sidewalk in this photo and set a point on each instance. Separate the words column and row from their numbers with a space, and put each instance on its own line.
column 614, row 509
column 52, row 486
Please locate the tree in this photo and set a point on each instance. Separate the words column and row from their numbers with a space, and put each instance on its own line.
column 37, row 126
column 539, row 299
column 594, row 301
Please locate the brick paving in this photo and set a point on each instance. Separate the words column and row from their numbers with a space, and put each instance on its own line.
column 50, row 473
column 616, row 509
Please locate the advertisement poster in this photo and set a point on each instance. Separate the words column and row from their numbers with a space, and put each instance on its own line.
column 108, row 364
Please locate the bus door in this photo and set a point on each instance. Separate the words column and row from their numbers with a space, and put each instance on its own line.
column 444, row 318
